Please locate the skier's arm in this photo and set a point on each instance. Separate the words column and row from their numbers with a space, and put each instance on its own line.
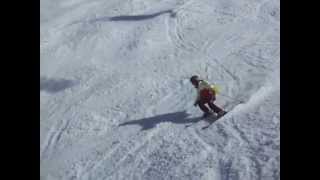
column 197, row 100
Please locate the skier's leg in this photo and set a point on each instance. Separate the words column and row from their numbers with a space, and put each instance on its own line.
column 214, row 107
column 203, row 107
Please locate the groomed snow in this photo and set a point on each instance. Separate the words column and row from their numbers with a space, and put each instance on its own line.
column 116, row 102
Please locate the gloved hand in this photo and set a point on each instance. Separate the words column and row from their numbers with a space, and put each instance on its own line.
column 196, row 103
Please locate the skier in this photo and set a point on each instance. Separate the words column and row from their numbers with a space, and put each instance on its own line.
column 206, row 95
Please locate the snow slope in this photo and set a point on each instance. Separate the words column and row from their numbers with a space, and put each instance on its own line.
column 116, row 98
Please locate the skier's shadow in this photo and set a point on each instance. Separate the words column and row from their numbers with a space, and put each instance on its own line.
column 176, row 117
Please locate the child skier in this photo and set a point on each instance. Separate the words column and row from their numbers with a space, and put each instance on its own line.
column 206, row 95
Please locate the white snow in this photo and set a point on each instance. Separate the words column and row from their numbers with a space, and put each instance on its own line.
column 116, row 98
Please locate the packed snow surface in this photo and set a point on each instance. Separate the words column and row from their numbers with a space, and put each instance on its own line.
column 116, row 101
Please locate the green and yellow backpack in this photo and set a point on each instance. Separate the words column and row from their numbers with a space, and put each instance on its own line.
column 215, row 89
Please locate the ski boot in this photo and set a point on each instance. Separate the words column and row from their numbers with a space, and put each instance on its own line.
column 207, row 114
column 221, row 113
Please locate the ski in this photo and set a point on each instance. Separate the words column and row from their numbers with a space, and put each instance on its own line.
column 216, row 118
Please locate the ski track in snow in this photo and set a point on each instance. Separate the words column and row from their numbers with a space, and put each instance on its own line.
column 135, row 74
